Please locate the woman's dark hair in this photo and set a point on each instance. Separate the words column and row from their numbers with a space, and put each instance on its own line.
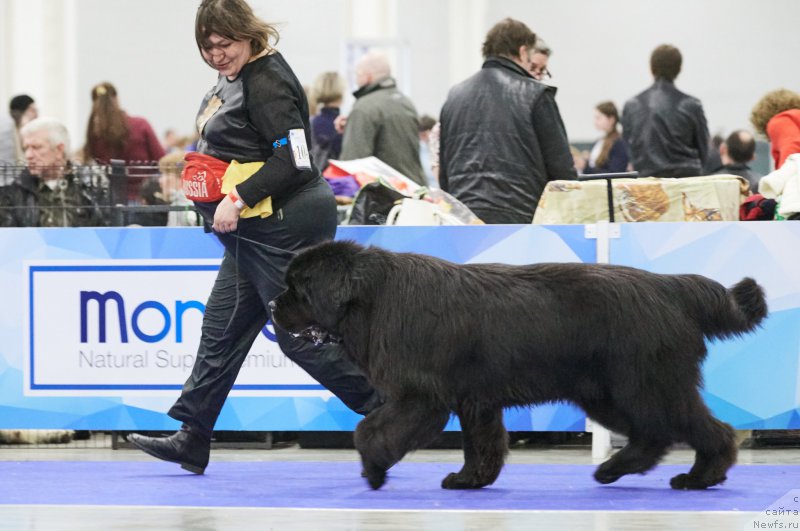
column 107, row 122
column 665, row 62
column 607, row 108
column 506, row 37
column 234, row 20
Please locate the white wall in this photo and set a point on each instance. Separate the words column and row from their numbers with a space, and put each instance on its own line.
column 734, row 50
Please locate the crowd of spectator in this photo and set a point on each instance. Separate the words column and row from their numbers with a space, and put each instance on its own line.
column 498, row 140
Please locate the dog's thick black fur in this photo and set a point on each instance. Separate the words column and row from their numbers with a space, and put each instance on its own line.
column 623, row 344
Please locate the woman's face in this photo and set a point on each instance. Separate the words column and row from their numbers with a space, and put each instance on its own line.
column 603, row 123
column 226, row 56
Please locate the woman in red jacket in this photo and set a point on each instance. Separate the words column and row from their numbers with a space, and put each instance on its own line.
column 777, row 115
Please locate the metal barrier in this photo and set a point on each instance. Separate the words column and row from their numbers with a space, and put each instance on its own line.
column 117, row 194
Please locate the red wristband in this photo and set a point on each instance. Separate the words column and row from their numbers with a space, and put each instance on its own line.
column 236, row 200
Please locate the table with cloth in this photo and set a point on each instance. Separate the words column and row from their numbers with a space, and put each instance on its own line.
column 708, row 198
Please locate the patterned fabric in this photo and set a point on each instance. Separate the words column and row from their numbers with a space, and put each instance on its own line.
column 712, row 198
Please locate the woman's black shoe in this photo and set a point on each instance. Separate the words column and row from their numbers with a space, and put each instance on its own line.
column 184, row 447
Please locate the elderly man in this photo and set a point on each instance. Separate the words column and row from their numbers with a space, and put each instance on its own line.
column 502, row 137
column 383, row 122
column 49, row 192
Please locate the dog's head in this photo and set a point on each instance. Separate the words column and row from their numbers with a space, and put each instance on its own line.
column 319, row 289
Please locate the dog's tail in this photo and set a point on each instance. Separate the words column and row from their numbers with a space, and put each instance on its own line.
column 741, row 310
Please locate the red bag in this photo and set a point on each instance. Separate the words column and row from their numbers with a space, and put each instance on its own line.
column 202, row 177
column 757, row 208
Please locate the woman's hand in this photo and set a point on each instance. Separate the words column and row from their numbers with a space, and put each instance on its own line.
column 226, row 217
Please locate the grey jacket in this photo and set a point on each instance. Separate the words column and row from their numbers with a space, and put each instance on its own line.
column 383, row 123
column 502, row 140
column 8, row 145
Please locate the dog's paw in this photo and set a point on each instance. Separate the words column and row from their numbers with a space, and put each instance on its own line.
column 458, row 481
column 604, row 476
column 375, row 477
column 689, row 482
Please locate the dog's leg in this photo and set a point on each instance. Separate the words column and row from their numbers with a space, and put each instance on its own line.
column 637, row 457
column 388, row 433
column 485, row 447
column 715, row 446
column 648, row 436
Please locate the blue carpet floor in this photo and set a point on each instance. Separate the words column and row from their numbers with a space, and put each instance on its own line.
column 410, row 486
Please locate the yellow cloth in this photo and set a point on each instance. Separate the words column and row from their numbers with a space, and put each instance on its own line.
column 238, row 173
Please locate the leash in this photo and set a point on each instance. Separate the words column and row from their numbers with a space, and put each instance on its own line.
column 315, row 334
column 260, row 244
column 253, row 242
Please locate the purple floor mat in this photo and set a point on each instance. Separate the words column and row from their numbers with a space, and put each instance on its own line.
column 303, row 484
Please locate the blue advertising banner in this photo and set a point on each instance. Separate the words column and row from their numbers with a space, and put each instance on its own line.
column 751, row 382
column 99, row 326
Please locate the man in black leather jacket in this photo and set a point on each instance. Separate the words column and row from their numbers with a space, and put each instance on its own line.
column 502, row 137
column 665, row 128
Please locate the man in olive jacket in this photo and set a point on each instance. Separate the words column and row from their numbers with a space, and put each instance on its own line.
column 50, row 191
column 502, row 137
column 383, row 122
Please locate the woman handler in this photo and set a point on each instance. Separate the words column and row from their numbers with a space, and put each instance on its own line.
column 257, row 114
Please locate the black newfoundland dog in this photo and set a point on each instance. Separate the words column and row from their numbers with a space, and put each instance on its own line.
column 436, row 337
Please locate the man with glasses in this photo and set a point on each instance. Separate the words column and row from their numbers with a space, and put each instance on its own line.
column 539, row 60
column 502, row 137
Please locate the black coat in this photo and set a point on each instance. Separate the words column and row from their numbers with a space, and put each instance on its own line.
column 243, row 118
column 741, row 169
column 502, row 140
column 666, row 131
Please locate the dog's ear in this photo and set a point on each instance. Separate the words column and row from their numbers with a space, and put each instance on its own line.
column 331, row 285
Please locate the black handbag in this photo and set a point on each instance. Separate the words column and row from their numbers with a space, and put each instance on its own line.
column 372, row 204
